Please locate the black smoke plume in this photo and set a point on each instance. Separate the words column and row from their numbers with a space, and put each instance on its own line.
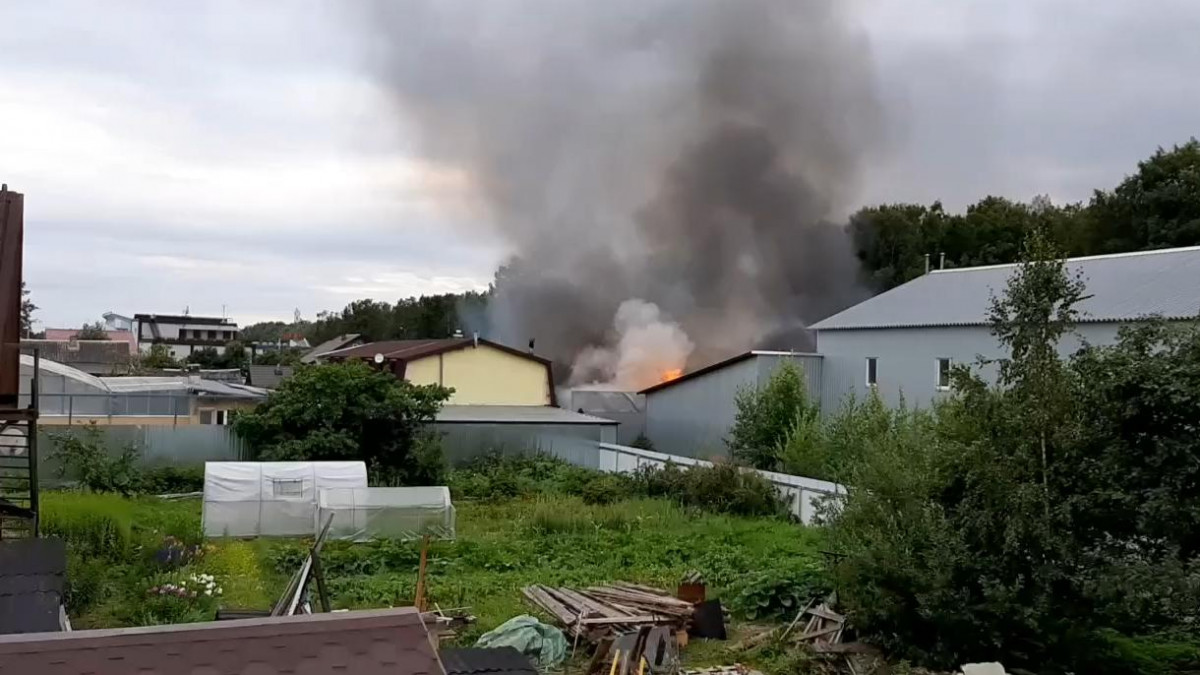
column 665, row 171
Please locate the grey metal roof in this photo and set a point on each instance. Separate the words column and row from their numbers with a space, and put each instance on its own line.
column 269, row 377
column 1120, row 287
column 605, row 401
column 515, row 414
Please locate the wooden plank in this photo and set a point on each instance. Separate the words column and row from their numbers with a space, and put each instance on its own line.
column 822, row 610
column 829, row 630
column 538, row 596
column 610, row 620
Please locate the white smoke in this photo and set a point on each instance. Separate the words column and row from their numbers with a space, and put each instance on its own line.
column 644, row 347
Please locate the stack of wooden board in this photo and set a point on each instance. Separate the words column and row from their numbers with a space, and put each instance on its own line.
column 598, row 611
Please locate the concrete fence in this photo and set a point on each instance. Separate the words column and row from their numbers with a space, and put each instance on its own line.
column 804, row 495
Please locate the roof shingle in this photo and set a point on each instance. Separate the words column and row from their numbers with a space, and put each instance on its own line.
column 1120, row 287
column 32, row 578
column 376, row 642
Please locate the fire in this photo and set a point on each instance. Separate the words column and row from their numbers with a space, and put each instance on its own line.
column 670, row 374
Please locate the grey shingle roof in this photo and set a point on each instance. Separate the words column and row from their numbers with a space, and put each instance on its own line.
column 32, row 577
column 269, row 377
column 485, row 661
column 1120, row 287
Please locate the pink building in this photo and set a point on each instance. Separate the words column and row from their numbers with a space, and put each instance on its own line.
column 68, row 334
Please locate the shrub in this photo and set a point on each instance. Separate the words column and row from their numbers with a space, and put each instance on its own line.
column 161, row 480
column 720, row 488
column 765, row 416
column 779, row 592
column 87, row 578
column 604, row 489
column 80, row 455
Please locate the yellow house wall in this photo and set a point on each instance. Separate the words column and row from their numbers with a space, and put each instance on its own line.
column 484, row 375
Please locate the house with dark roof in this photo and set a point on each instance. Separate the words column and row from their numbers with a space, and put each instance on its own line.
column 481, row 372
column 33, row 576
column 373, row 642
column 902, row 343
column 339, row 342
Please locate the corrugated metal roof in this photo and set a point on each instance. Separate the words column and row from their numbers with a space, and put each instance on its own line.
column 328, row 346
column 1120, row 287
column 718, row 365
column 605, row 401
column 515, row 414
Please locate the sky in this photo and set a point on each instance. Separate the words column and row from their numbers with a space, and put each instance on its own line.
column 240, row 158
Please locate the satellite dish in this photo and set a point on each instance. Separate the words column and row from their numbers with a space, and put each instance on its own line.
column 379, row 358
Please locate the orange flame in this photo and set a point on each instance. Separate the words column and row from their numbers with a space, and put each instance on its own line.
column 671, row 374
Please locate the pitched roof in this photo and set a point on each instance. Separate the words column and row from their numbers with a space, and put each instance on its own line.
column 185, row 318
column 111, row 352
column 32, row 577
column 329, row 346
column 718, row 365
column 376, row 642
column 514, row 414
column 409, row 350
column 1120, row 287
column 269, row 377
column 486, row 661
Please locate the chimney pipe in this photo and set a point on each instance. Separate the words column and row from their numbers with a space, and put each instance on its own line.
column 926, row 263
column 475, row 337
column 942, row 261
column 531, row 345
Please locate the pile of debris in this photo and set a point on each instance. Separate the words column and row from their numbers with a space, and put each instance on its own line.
column 603, row 611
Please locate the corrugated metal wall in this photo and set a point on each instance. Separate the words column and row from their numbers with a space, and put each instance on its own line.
column 692, row 418
column 907, row 359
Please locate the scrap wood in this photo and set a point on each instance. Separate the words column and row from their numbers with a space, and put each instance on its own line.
column 597, row 611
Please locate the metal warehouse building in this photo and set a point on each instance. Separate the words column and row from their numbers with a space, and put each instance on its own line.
column 903, row 342
column 691, row 415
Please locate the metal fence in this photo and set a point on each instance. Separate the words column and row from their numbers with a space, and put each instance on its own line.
column 156, row 445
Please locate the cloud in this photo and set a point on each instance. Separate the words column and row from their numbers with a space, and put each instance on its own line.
column 226, row 153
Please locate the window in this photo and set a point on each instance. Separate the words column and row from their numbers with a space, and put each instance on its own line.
column 220, row 417
column 212, row 335
column 943, row 373
column 872, row 370
column 288, row 488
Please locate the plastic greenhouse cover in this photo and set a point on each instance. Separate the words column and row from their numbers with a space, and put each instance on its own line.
column 361, row 514
column 246, row 499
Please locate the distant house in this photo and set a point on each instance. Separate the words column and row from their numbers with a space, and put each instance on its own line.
column 183, row 334
column 293, row 341
column 481, row 372
column 113, row 321
column 339, row 342
column 125, row 337
column 94, row 357
column 69, row 396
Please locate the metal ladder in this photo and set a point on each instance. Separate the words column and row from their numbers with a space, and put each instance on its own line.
column 19, row 467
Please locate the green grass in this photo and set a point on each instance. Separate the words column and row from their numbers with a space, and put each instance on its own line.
column 501, row 547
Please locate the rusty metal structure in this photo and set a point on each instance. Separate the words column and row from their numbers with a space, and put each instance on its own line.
column 18, row 424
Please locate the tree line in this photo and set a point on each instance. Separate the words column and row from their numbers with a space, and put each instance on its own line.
column 1158, row 206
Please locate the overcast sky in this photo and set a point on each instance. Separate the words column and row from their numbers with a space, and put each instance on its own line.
column 239, row 155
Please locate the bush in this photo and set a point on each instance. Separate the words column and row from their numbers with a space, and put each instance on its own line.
column 161, row 480
column 779, row 592
column 81, row 456
column 767, row 414
column 87, row 579
column 604, row 489
column 720, row 488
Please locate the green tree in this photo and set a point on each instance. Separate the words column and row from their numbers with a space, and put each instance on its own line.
column 158, row 357
column 350, row 411
column 92, row 331
column 27, row 310
column 765, row 416
column 1156, row 207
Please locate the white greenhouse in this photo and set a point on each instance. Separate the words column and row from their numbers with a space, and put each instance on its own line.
column 250, row 499
column 360, row 514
